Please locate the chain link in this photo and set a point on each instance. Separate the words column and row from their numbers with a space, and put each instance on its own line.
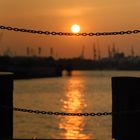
column 128, row 112
column 56, row 113
column 61, row 113
column 68, row 34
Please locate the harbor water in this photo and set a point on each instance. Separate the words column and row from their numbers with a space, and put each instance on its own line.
column 84, row 91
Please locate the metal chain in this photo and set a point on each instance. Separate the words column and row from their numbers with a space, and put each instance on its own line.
column 128, row 112
column 61, row 113
column 56, row 113
column 68, row 34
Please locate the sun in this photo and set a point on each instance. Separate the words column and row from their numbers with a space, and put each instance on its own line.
column 75, row 28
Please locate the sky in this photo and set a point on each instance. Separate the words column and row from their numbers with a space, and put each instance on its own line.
column 59, row 15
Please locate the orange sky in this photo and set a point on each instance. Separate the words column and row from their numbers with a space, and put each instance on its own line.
column 59, row 15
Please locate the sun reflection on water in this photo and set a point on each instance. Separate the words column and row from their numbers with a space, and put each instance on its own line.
column 73, row 126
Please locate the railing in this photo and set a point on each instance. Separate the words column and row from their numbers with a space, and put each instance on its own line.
column 59, row 113
column 122, row 111
column 2, row 27
column 84, row 114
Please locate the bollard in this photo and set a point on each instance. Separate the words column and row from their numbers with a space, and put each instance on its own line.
column 125, row 108
column 6, row 100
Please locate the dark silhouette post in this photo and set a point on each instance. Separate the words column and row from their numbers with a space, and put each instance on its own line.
column 126, row 102
column 69, row 69
column 6, row 100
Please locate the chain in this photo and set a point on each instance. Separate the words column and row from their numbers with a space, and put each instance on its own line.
column 61, row 113
column 56, row 113
column 68, row 34
column 129, row 112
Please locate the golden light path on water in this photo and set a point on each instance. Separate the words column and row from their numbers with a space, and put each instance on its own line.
column 73, row 101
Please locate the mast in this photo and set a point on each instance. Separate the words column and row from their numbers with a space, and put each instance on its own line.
column 28, row 51
column 39, row 51
column 132, row 51
column 109, row 52
column 51, row 51
column 99, row 53
column 113, row 49
column 94, row 52
column 82, row 53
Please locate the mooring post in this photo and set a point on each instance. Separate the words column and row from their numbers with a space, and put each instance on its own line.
column 126, row 108
column 6, row 105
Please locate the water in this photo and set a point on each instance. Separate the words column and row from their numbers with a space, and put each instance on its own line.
column 84, row 91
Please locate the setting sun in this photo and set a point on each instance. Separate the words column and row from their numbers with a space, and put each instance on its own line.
column 75, row 28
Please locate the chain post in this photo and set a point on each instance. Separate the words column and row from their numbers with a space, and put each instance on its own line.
column 6, row 99
column 125, row 102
